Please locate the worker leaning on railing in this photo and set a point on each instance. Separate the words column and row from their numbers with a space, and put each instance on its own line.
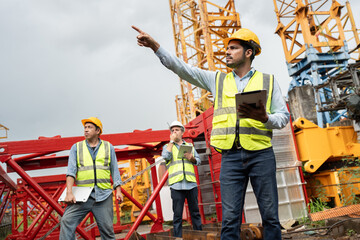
column 245, row 144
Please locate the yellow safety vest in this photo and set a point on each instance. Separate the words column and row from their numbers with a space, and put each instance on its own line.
column 179, row 168
column 253, row 134
column 85, row 175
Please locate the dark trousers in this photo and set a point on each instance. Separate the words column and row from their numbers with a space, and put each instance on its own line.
column 178, row 198
column 237, row 168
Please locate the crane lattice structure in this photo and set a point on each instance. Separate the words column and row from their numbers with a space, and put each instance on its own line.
column 316, row 37
column 199, row 27
column 3, row 129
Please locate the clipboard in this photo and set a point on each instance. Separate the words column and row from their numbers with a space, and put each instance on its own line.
column 252, row 98
column 183, row 149
column 81, row 194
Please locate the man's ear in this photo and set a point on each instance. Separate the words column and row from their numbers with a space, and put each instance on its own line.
column 248, row 52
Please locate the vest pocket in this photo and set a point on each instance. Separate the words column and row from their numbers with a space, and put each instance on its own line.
column 219, row 127
column 220, row 119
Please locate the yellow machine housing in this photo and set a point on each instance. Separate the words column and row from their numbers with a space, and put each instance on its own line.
column 317, row 145
column 340, row 186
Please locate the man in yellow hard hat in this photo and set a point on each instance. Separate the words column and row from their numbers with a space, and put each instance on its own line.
column 182, row 179
column 91, row 163
column 245, row 143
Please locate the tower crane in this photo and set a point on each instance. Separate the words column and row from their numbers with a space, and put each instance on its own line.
column 320, row 39
column 3, row 129
column 199, row 27
column 321, row 45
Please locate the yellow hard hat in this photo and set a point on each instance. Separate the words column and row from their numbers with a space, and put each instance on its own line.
column 95, row 121
column 245, row 35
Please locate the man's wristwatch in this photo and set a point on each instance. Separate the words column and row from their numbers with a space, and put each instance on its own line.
column 171, row 141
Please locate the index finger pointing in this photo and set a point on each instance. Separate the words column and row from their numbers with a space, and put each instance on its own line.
column 137, row 29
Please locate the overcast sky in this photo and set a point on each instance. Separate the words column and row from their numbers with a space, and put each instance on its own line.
column 62, row 61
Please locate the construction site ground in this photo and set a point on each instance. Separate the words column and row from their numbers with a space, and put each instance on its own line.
column 342, row 228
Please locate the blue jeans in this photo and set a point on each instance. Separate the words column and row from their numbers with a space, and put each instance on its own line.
column 75, row 213
column 178, row 197
column 237, row 167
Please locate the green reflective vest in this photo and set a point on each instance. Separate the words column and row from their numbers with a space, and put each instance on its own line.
column 252, row 133
column 179, row 168
column 85, row 175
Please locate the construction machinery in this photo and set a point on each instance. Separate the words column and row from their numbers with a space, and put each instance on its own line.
column 321, row 46
column 199, row 27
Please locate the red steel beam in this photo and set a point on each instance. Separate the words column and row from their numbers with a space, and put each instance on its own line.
column 133, row 200
column 62, row 161
column 42, row 193
column 45, row 217
column 5, row 203
column 6, row 179
column 61, row 144
column 147, row 206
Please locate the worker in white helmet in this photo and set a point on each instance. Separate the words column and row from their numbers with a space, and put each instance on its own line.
column 245, row 143
column 91, row 163
column 182, row 178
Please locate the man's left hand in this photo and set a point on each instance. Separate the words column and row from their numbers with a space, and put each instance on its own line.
column 257, row 113
column 118, row 194
column 190, row 157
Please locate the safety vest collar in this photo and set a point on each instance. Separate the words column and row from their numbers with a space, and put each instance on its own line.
column 81, row 154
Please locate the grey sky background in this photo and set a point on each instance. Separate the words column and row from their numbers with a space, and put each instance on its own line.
column 62, row 61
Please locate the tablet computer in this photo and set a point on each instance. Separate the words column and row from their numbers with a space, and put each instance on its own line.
column 183, row 149
column 252, row 98
column 81, row 194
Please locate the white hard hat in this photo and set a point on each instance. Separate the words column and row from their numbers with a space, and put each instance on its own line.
column 177, row 124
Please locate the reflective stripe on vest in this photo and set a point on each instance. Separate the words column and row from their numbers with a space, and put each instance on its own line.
column 253, row 134
column 180, row 168
column 85, row 175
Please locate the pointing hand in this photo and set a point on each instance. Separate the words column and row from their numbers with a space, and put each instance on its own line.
column 145, row 40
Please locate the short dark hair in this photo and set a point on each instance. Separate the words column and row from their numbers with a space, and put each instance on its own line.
column 246, row 46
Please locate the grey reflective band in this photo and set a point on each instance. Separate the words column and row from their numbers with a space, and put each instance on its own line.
column 175, row 162
column 223, row 131
column 102, row 167
column 81, row 156
column 180, row 173
column 242, row 130
column 103, row 180
column 221, row 77
column 90, row 181
column 266, row 84
column 86, row 168
column 227, row 110
column 107, row 155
